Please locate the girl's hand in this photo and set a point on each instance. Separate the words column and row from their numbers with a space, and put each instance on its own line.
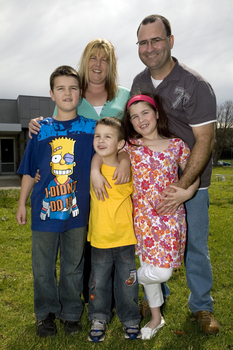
column 122, row 172
column 34, row 127
column 98, row 183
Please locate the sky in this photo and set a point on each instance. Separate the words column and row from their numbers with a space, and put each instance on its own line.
column 37, row 36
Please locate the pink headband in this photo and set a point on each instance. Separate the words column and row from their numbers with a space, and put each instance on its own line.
column 141, row 98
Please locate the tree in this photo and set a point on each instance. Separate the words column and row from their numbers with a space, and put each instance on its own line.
column 223, row 129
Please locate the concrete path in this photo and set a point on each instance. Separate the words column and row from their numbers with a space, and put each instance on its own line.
column 10, row 181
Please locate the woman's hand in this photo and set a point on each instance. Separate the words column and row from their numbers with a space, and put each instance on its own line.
column 34, row 127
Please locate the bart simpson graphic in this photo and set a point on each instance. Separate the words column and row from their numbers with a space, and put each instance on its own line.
column 60, row 199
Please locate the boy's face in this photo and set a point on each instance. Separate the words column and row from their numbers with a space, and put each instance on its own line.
column 66, row 93
column 106, row 140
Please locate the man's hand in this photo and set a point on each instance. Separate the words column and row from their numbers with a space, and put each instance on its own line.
column 174, row 195
column 168, row 203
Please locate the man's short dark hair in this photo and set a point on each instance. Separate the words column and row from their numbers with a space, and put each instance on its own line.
column 152, row 19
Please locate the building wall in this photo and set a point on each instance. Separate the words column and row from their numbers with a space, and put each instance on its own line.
column 8, row 111
column 30, row 107
column 15, row 116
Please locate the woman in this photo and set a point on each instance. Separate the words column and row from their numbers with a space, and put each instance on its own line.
column 101, row 97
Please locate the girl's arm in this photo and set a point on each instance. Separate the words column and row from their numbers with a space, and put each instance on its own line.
column 34, row 127
column 26, row 187
column 122, row 172
column 174, row 195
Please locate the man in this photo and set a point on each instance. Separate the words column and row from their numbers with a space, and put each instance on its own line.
column 190, row 104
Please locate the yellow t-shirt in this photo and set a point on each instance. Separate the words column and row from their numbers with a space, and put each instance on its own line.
column 111, row 221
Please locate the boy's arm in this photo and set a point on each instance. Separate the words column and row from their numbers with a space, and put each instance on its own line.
column 122, row 172
column 98, row 180
column 26, row 187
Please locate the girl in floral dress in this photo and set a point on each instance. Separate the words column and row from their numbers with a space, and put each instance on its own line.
column 155, row 156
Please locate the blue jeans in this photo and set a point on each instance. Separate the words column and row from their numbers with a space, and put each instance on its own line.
column 104, row 262
column 63, row 300
column 197, row 261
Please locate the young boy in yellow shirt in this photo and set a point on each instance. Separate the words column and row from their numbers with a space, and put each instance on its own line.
column 112, row 240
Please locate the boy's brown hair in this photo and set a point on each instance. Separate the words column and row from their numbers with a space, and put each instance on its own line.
column 64, row 71
column 115, row 123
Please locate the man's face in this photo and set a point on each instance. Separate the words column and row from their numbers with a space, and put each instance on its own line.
column 155, row 56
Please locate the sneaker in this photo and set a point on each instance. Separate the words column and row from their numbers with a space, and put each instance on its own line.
column 132, row 332
column 97, row 332
column 47, row 327
column 72, row 327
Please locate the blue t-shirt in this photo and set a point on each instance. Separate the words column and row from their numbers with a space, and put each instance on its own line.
column 62, row 151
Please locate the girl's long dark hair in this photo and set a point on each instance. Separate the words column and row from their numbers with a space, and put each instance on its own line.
column 162, row 121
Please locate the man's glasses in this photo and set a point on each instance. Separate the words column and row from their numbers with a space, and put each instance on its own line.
column 153, row 41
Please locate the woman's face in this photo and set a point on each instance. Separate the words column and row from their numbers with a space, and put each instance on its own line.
column 98, row 68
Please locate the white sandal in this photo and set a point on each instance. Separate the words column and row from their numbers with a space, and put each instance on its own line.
column 148, row 333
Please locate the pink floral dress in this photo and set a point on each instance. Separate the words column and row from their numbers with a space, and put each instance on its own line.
column 161, row 239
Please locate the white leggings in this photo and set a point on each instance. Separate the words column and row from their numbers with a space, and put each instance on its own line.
column 151, row 277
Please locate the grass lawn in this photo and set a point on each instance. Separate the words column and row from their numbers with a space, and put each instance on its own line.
column 17, row 321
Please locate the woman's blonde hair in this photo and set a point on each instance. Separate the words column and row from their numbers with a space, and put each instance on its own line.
column 106, row 47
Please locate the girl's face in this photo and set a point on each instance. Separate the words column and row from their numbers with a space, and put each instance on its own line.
column 144, row 119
